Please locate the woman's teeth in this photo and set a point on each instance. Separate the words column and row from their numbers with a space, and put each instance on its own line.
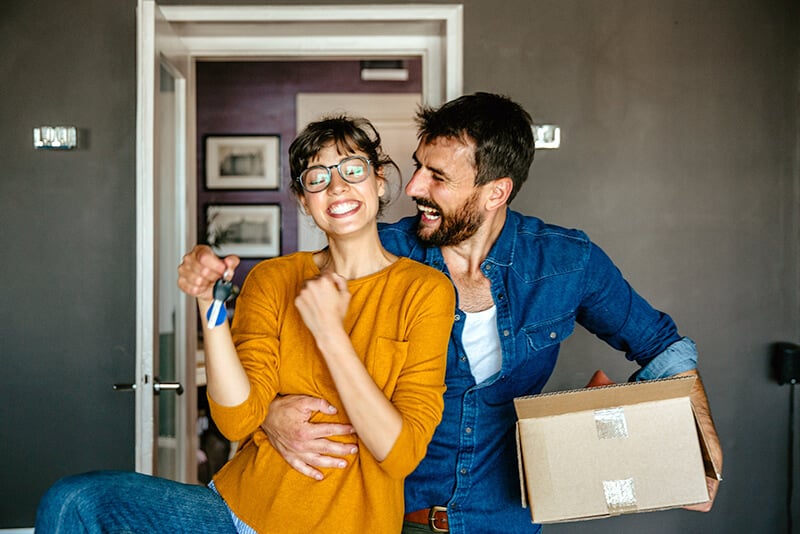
column 343, row 207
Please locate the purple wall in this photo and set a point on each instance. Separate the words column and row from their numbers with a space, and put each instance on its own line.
column 258, row 97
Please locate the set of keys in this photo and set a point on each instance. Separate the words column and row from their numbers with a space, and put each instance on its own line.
column 217, row 313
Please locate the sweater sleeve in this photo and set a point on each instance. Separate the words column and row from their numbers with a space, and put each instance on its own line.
column 255, row 333
column 418, row 395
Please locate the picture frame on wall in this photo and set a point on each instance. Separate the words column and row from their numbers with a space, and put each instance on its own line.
column 246, row 230
column 243, row 161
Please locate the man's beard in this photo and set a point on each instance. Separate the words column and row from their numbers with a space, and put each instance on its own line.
column 453, row 228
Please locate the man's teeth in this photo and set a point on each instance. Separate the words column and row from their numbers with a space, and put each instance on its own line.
column 338, row 209
column 430, row 213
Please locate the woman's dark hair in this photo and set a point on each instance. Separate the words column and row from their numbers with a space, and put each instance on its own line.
column 499, row 127
column 348, row 135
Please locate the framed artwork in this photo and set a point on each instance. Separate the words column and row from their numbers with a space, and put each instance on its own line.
column 246, row 230
column 243, row 162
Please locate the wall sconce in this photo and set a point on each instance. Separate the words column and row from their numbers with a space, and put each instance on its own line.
column 546, row 136
column 55, row 137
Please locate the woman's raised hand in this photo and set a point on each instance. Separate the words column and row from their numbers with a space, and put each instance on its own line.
column 323, row 302
column 201, row 268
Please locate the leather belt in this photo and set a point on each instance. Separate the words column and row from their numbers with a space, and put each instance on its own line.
column 435, row 517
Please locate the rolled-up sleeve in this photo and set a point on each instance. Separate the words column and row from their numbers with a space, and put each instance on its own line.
column 679, row 357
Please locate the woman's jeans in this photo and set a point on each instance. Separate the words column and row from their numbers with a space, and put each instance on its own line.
column 120, row 501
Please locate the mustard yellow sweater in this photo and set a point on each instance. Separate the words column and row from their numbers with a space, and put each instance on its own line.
column 399, row 322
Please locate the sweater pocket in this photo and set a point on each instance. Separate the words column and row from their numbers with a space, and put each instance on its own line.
column 385, row 362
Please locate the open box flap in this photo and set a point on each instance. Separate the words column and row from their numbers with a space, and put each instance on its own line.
column 523, row 488
column 596, row 398
column 711, row 468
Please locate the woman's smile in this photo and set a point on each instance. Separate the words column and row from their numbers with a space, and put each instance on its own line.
column 343, row 208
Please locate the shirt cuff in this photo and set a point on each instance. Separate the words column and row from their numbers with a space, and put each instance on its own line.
column 679, row 357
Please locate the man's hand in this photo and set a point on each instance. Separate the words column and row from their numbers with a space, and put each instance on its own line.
column 713, row 486
column 599, row 378
column 304, row 445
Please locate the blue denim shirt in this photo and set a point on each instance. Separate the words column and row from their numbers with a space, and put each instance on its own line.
column 544, row 279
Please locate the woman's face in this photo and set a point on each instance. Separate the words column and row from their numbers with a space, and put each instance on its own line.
column 343, row 208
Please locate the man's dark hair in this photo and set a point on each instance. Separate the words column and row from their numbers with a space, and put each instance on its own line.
column 348, row 135
column 499, row 127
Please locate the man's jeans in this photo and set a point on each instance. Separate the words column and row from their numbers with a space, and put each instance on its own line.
column 118, row 501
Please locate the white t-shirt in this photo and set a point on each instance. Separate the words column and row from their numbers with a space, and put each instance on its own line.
column 482, row 343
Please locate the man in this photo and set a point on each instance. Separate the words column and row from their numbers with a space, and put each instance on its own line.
column 521, row 287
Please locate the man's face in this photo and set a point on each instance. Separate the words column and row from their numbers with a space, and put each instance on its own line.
column 443, row 186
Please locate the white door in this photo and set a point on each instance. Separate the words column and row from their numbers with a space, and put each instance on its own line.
column 165, row 392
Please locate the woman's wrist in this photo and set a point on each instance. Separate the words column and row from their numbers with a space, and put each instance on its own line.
column 333, row 343
column 203, row 304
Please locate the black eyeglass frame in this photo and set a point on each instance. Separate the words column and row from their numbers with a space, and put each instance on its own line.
column 329, row 171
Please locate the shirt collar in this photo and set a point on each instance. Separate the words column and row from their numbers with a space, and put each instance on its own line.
column 502, row 252
column 434, row 258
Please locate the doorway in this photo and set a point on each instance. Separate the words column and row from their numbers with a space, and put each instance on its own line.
column 235, row 33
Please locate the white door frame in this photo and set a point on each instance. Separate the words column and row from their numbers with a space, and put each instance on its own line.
column 157, row 47
column 433, row 32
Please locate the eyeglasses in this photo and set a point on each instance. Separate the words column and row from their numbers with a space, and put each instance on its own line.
column 353, row 170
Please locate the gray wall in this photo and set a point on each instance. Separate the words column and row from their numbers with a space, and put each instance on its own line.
column 67, row 236
column 679, row 157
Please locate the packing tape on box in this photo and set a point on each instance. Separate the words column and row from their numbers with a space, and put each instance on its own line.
column 620, row 495
column 610, row 423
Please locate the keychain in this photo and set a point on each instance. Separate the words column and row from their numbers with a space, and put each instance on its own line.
column 217, row 313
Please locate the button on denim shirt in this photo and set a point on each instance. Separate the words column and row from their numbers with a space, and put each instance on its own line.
column 544, row 279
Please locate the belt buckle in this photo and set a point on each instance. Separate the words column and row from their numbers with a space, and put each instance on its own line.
column 432, row 519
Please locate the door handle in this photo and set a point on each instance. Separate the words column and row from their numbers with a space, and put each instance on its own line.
column 158, row 387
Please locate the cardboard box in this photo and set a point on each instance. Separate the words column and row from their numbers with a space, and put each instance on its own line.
column 610, row 450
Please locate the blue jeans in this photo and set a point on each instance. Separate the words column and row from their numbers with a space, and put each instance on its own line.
column 127, row 502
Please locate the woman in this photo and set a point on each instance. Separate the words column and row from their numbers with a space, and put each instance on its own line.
column 351, row 323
